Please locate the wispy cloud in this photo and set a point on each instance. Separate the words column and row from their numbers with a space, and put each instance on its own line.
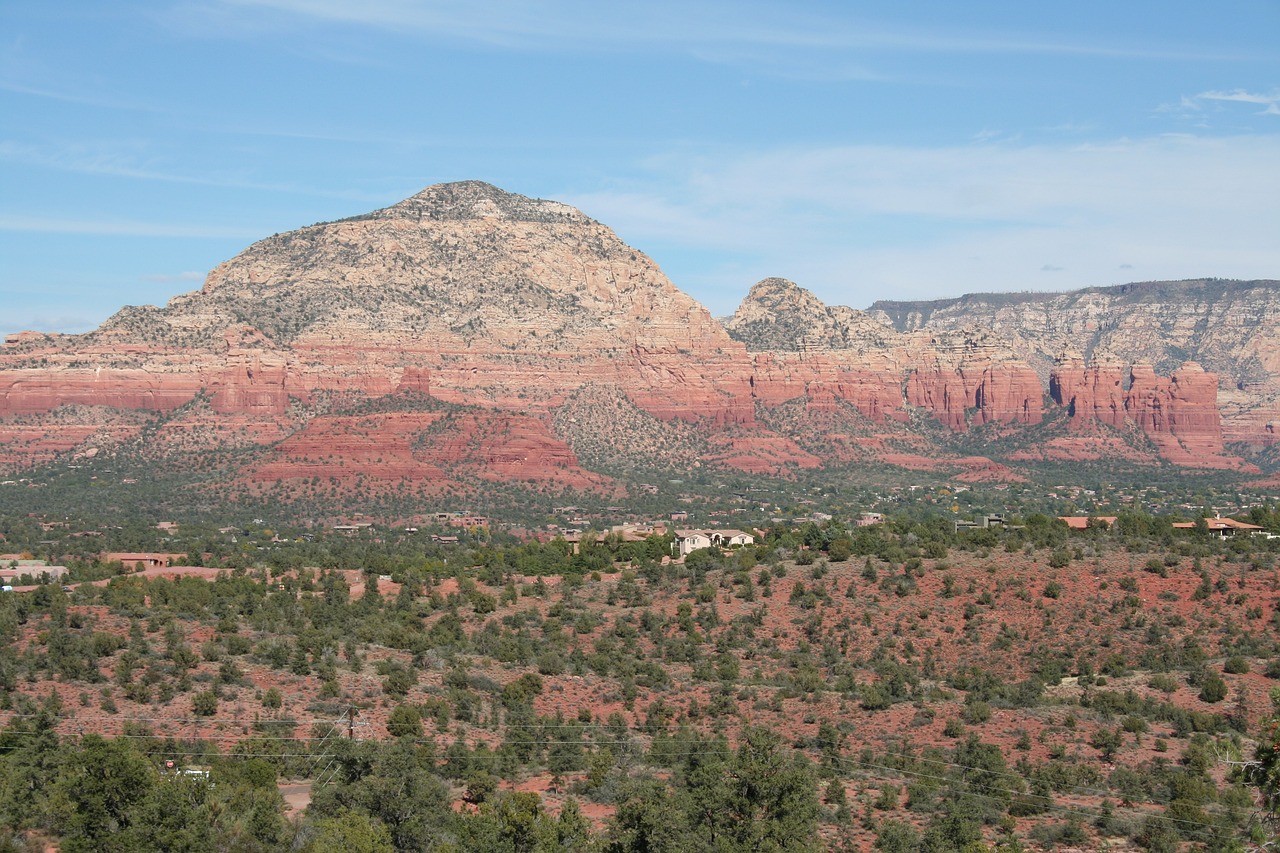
column 706, row 26
column 1269, row 102
column 855, row 222
column 121, row 160
column 75, row 97
column 1193, row 106
column 120, row 228
column 174, row 278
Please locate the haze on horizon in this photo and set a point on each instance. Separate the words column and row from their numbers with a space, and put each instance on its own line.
column 857, row 149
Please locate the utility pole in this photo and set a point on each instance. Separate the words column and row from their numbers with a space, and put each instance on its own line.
column 351, row 722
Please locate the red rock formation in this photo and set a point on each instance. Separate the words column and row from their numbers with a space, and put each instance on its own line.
column 39, row 390
column 1009, row 393
column 803, row 347
column 980, row 469
column 966, row 396
column 510, row 307
column 428, row 448
column 1227, row 326
column 948, row 394
column 1093, row 392
column 1178, row 413
column 873, row 387
column 416, row 379
column 507, row 448
column 763, row 452
column 1257, row 429
column 253, row 382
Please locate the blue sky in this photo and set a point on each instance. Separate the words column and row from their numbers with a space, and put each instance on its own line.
column 866, row 150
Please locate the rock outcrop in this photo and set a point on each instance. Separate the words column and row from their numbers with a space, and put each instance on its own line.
column 1178, row 413
column 1227, row 326
column 964, row 378
column 501, row 334
column 1091, row 392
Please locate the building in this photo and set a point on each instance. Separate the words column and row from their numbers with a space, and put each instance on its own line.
column 12, row 571
column 732, row 538
column 139, row 561
column 1081, row 522
column 688, row 541
column 983, row 521
column 1223, row 528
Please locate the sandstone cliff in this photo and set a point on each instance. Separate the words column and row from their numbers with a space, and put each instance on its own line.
column 1179, row 412
column 506, row 335
column 464, row 292
column 968, row 376
column 801, row 346
column 1229, row 327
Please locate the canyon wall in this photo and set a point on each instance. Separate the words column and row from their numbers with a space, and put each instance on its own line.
column 510, row 307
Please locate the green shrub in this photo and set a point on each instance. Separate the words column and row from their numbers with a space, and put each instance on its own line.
column 1214, row 689
column 204, row 703
column 1236, row 665
column 405, row 721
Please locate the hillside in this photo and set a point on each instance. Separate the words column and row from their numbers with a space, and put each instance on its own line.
column 467, row 337
column 1030, row 685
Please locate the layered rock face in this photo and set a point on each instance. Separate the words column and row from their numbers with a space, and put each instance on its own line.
column 968, row 378
column 1091, row 392
column 463, row 292
column 521, row 312
column 430, row 448
column 973, row 380
column 1228, row 327
column 1179, row 412
column 483, row 295
column 801, row 346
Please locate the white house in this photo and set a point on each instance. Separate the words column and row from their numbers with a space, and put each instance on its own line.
column 688, row 541
column 731, row 538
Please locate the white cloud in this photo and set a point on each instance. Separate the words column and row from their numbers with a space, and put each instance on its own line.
column 171, row 278
column 1271, row 102
column 862, row 222
column 1193, row 106
column 120, row 228
column 706, row 27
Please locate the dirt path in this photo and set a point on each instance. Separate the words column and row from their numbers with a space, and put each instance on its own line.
column 297, row 796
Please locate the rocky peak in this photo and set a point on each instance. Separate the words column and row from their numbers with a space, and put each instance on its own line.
column 475, row 296
column 462, row 265
column 781, row 316
column 470, row 200
column 775, row 295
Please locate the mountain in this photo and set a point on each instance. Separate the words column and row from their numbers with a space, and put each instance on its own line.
column 1229, row 327
column 467, row 335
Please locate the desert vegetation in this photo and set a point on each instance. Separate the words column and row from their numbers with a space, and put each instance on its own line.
column 894, row 687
